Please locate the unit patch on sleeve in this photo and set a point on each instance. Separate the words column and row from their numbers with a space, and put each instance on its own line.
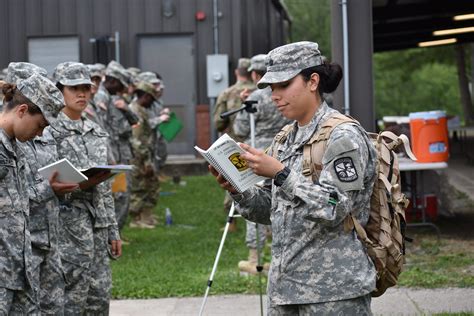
column 345, row 169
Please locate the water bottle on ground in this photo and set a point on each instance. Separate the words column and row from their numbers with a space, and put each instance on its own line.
column 168, row 218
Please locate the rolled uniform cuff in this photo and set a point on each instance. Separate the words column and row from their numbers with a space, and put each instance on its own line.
column 288, row 186
column 114, row 233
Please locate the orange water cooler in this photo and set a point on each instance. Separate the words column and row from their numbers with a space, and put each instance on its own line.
column 429, row 136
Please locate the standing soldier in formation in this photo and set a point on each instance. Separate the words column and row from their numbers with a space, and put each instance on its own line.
column 47, row 270
column 92, row 112
column 118, row 120
column 87, row 217
column 28, row 108
column 157, row 114
column 145, row 183
column 230, row 100
column 268, row 122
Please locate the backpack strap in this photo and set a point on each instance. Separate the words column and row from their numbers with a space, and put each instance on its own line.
column 397, row 140
column 314, row 149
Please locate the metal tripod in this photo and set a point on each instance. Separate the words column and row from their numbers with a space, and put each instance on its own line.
column 247, row 106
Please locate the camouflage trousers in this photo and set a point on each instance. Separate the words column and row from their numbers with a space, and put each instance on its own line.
column 48, row 274
column 85, row 259
column 98, row 297
column 88, row 288
column 16, row 303
column 145, row 193
column 359, row 306
column 251, row 235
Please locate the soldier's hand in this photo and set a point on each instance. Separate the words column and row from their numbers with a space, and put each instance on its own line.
column 120, row 104
column 221, row 180
column 61, row 188
column 95, row 179
column 164, row 117
column 244, row 94
column 261, row 163
column 116, row 248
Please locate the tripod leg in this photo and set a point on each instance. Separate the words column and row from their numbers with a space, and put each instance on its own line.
column 216, row 261
column 259, row 268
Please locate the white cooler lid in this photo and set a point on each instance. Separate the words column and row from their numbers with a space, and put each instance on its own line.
column 429, row 115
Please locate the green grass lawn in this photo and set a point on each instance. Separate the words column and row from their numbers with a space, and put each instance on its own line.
column 176, row 260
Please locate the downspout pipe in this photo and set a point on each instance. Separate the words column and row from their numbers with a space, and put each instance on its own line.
column 345, row 50
column 215, row 27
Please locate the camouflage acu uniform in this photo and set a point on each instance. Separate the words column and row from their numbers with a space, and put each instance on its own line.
column 230, row 100
column 18, row 293
column 160, row 147
column 154, row 112
column 314, row 260
column 87, row 220
column 44, row 206
column 268, row 122
column 118, row 123
column 145, row 185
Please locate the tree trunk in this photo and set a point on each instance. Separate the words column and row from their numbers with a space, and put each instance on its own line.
column 464, row 85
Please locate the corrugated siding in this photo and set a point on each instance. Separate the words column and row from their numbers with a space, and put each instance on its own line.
column 246, row 27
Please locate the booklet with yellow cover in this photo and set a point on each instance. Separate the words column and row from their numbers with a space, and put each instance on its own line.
column 224, row 156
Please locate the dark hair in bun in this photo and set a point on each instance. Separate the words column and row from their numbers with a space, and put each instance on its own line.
column 13, row 97
column 330, row 74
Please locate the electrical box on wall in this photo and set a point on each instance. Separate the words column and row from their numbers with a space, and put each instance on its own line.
column 217, row 74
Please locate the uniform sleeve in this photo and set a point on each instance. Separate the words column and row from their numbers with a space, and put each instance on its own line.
column 255, row 203
column 221, row 107
column 242, row 124
column 105, row 192
column 342, row 177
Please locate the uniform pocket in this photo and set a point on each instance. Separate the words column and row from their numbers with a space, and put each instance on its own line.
column 6, row 180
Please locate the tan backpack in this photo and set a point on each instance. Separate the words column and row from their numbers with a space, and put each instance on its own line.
column 384, row 234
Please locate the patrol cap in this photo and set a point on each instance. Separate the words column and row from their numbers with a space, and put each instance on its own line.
column 44, row 94
column 134, row 71
column 72, row 74
column 115, row 70
column 243, row 63
column 3, row 73
column 147, row 87
column 147, row 76
column 257, row 62
column 21, row 71
column 96, row 70
column 285, row 62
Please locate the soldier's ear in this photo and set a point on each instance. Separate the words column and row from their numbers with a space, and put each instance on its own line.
column 21, row 110
column 314, row 82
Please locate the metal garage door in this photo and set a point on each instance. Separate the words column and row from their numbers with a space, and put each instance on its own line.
column 172, row 56
column 47, row 52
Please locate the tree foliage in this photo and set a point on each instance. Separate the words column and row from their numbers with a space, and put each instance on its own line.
column 416, row 80
column 311, row 21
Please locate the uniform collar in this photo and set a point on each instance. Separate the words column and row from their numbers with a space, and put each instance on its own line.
column 83, row 125
column 313, row 125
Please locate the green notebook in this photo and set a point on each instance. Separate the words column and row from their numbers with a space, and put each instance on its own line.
column 171, row 128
